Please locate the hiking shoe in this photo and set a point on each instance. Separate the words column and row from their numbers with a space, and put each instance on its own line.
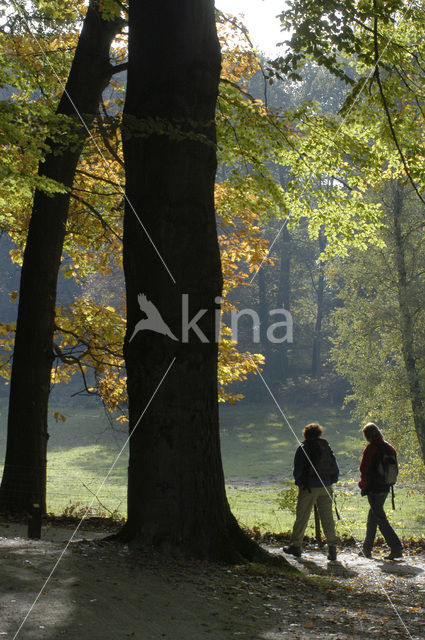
column 331, row 553
column 294, row 551
column 394, row 554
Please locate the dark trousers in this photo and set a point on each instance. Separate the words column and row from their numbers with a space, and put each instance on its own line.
column 378, row 518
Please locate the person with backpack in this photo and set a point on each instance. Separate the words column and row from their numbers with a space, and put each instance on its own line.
column 315, row 471
column 378, row 473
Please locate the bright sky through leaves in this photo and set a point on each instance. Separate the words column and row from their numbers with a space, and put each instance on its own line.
column 260, row 18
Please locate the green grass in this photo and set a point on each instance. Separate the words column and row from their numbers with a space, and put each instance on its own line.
column 257, row 507
column 257, row 448
column 258, row 444
column 81, row 452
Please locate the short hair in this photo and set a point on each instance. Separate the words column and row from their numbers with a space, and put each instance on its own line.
column 371, row 432
column 312, row 430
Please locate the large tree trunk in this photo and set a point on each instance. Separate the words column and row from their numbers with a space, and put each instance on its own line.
column 176, row 492
column 407, row 324
column 24, row 477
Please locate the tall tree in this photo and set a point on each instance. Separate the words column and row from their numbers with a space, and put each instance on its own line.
column 378, row 338
column 24, row 477
column 412, row 352
column 176, row 492
column 383, row 41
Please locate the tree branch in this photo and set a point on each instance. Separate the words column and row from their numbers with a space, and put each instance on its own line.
column 386, row 108
column 90, row 347
column 236, row 86
column 105, row 140
column 69, row 359
column 96, row 213
column 118, row 68
column 101, row 178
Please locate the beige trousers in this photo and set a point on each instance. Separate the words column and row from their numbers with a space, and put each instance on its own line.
column 306, row 500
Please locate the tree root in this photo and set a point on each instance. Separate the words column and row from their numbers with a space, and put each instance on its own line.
column 237, row 547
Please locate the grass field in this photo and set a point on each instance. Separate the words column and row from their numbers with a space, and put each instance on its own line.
column 257, row 448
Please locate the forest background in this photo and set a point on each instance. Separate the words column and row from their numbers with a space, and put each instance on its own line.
column 301, row 163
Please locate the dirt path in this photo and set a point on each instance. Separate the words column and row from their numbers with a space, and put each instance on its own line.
column 105, row 592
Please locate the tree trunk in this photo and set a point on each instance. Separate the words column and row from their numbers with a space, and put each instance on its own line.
column 176, row 493
column 279, row 364
column 24, row 477
column 316, row 362
column 284, row 299
column 407, row 323
column 263, row 313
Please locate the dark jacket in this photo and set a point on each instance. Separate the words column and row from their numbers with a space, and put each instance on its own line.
column 370, row 481
column 304, row 475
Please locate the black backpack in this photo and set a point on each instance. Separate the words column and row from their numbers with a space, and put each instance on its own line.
column 321, row 461
column 387, row 467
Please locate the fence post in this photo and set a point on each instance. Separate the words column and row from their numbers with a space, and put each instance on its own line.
column 34, row 522
column 318, row 535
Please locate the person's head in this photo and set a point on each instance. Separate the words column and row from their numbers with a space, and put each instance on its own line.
column 312, row 430
column 371, row 432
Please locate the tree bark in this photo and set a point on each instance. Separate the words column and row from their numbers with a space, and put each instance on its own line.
column 176, row 493
column 407, row 323
column 24, row 477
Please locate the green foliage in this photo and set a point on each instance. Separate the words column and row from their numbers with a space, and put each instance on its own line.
column 90, row 335
column 377, row 47
column 332, row 165
column 332, row 31
column 78, row 511
column 287, row 499
column 324, row 186
column 367, row 344
column 112, row 8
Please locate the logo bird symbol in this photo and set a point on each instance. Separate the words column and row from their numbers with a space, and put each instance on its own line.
column 153, row 322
